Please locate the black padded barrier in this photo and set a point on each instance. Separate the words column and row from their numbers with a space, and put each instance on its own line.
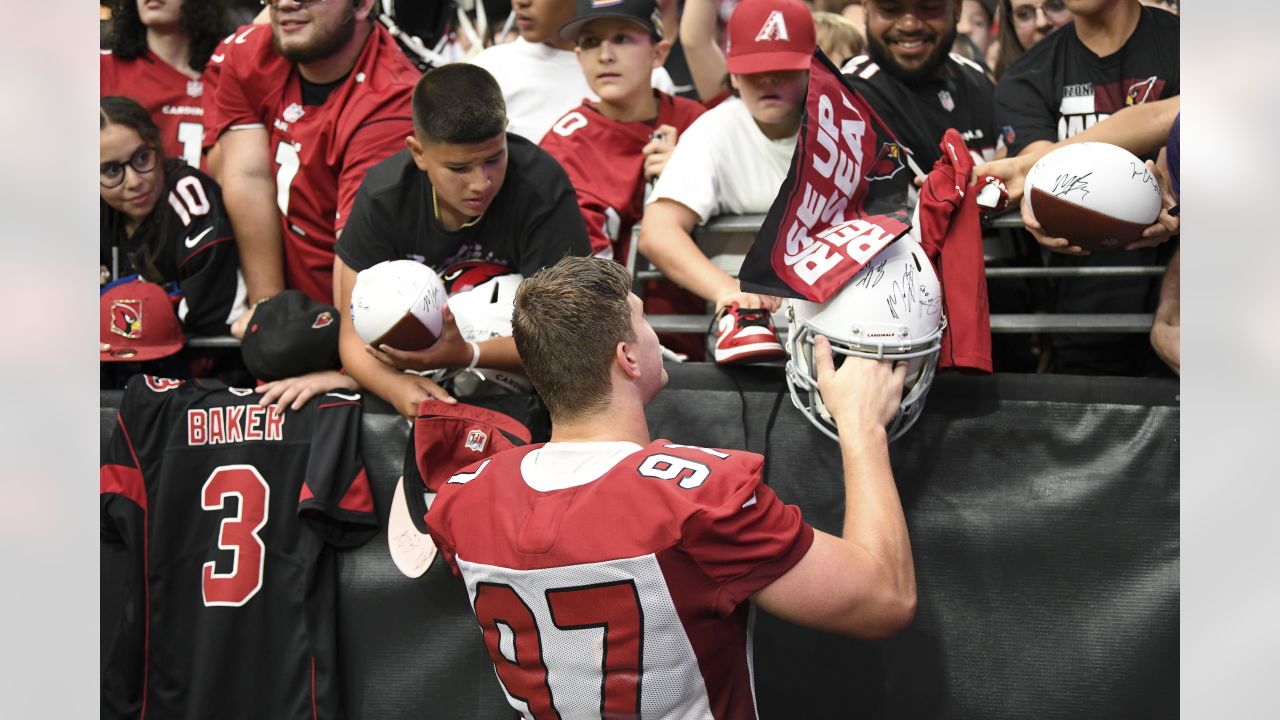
column 1043, row 513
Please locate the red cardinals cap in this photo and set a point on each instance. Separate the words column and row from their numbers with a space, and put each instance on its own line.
column 770, row 35
column 139, row 323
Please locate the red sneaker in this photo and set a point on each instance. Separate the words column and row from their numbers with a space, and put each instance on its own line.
column 743, row 335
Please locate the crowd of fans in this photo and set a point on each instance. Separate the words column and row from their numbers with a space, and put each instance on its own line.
column 305, row 145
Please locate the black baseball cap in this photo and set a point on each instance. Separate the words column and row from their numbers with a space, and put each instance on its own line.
column 644, row 13
column 290, row 335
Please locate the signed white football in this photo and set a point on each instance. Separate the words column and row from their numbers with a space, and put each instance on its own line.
column 1096, row 195
column 399, row 303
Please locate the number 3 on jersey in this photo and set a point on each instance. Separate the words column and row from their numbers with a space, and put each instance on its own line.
column 237, row 533
column 515, row 641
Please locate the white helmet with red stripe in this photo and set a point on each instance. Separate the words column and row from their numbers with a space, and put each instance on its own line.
column 482, row 296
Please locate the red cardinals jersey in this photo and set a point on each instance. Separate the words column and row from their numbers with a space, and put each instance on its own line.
column 605, row 163
column 319, row 152
column 618, row 589
column 951, row 235
column 173, row 99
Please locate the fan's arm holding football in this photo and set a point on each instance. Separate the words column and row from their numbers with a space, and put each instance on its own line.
column 249, row 191
column 405, row 392
column 666, row 240
column 1140, row 129
column 862, row 583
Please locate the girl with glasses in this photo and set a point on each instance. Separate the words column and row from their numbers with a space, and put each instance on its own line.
column 164, row 221
column 1024, row 23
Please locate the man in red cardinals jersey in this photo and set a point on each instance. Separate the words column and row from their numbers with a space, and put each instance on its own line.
column 612, row 147
column 304, row 108
column 158, row 51
column 605, row 540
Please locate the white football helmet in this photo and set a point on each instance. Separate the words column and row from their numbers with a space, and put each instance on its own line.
column 892, row 309
column 482, row 311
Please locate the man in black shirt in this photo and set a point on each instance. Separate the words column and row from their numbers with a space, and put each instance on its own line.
column 919, row 87
column 1116, row 54
column 463, row 190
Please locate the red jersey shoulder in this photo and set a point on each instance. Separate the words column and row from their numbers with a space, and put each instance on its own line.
column 249, row 56
column 679, row 112
column 699, row 474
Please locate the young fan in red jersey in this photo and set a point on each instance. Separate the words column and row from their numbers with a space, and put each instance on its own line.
column 604, row 539
column 304, row 108
column 158, row 51
column 612, row 147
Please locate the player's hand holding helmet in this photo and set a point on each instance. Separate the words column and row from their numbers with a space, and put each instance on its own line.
column 890, row 310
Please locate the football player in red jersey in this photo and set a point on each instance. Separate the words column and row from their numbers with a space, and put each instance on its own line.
column 604, row 539
column 304, row 108
column 157, row 54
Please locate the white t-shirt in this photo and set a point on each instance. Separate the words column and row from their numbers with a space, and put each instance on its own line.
column 541, row 83
column 724, row 165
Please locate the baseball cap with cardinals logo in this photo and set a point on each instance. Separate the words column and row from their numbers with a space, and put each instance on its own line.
column 770, row 36
column 290, row 335
column 138, row 322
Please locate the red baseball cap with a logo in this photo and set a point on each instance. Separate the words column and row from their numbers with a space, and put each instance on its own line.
column 138, row 322
column 769, row 36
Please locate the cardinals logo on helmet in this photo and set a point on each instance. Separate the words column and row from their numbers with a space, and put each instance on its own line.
column 324, row 319
column 126, row 318
column 888, row 163
column 466, row 275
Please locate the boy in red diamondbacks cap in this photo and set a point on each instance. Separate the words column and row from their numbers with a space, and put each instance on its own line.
column 732, row 160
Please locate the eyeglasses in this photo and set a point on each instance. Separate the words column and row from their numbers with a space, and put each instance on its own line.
column 143, row 160
column 1026, row 14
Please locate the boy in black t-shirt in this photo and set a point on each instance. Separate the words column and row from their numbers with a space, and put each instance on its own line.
column 463, row 190
column 1116, row 54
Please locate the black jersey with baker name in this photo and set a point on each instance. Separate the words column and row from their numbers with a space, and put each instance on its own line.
column 228, row 511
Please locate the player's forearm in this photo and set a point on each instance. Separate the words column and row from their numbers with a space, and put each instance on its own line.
column 873, row 519
column 256, row 222
column 672, row 251
column 701, row 51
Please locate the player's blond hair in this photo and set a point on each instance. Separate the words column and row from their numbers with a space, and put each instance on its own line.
column 567, row 323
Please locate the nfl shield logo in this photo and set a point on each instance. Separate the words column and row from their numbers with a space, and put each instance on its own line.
column 476, row 440
column 945, row 98
column 293, row 113
column 195, row 88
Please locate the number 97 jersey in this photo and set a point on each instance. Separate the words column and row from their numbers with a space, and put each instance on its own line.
column 227, row 511
column 611, row 580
